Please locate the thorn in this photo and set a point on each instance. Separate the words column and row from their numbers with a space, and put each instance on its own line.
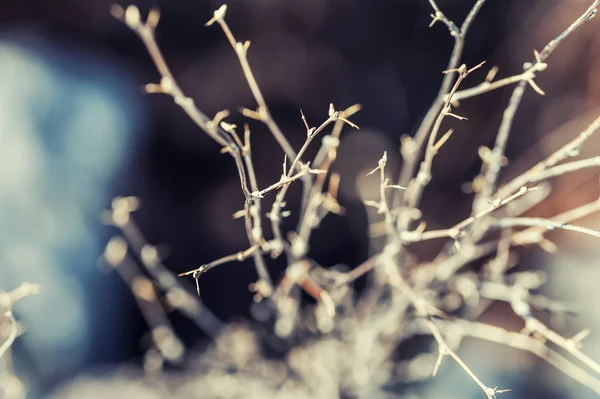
column 350, row 123
column 580, row 336
column 304, row 120
column 535, row 87
column 475, row 67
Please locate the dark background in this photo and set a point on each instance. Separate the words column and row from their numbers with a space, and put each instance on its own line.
column 305, row 55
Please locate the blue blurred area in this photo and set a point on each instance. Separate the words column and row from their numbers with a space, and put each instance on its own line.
column 67, row 127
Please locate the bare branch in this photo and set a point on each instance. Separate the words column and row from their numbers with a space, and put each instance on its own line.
column 12, row 335
column 492, row 169
column 570, row 149
column 545, row 224
column 241, row 50
column 412, row 151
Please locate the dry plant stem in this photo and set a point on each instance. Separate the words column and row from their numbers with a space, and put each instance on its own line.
column 499, row 264
column 417, row 185
column 559, row 170
column 316, row 204
column 12, row 334
column 297, row 275
column 490, row 86
column 162, row 332
column 568, row 150
column 252, row 212
column 275, row 214
column 7, row 300
column 445, row 350
column 311, row 134
column 545, row 224
column 190, row 306
column 238, row 256
column 526, row 203
column 500, row 291
column 523, row 310
column 492, row 167
column 146, row 33
column 520, row 305
column 454, row 231
column 494, row 164
column 411, row 156
column 358, row 271
column 323, row 161
column 286, row 180
column 525, row 343
column 253, row 216
column 447, row 267
column 169, row 86
column 263, row 110
column 534, row 234
column 264, row 113
column 383, row 206
column 570, row 345
column 425, row 309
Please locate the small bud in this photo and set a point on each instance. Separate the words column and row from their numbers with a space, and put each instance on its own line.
column 132, row 16
column 218, row 15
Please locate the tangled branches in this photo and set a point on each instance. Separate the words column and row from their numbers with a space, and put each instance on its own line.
column 403, row 297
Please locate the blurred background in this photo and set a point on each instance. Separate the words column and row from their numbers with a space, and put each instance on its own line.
column 76, row 130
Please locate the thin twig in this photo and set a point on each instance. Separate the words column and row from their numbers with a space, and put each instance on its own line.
column 487, row 86
column 12, row 334
column 412, row 150
column 545, row 224
column 523, row 310
column 424, row 309
column 492, row 167
column 559, row 170
column 323, row 160
column 455, row 230
column 570, row 149
column 444, row 349
column 447, row 267
column 299, row 246
column 525, row 343
column 238, row 256
column 241, row 50
column 147, row 253
column 163, row 335
column 418, row 183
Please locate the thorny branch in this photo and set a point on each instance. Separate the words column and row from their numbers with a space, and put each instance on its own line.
column 389, row 295
column 492, row 168
column 411, row 148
